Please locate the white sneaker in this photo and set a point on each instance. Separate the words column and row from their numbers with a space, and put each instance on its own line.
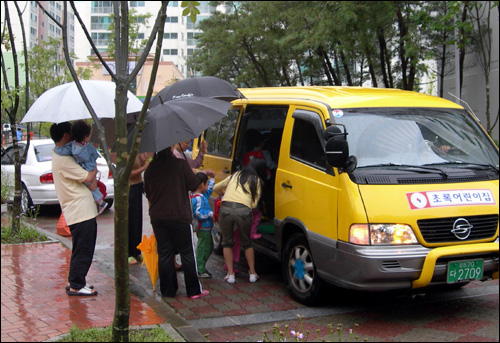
column 230, row 278
column 253, row 278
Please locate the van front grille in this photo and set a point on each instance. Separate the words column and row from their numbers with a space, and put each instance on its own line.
column 440, row 230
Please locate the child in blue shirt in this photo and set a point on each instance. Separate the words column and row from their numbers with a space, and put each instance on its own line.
column 204, row 214
column 85, row 155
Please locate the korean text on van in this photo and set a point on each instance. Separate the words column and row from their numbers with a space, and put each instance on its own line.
column 367, row 189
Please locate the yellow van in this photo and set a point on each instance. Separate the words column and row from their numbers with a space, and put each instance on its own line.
column 368, row 189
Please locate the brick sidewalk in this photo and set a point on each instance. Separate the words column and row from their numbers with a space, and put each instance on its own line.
column 35, row 306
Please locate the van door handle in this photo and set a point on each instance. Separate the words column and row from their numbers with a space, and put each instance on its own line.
column 286, row 185
column 225, row 171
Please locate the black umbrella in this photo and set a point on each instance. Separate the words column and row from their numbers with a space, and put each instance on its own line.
column 205, row 87
column 180, row 120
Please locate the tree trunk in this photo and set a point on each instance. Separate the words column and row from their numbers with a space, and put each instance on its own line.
column 371, row 69
column 383, row 53
column 442, row 69
column 346, row 68
column 260, row 70
column 462, row 50
column 403, row 31
column 329, row 68
column 122, row 283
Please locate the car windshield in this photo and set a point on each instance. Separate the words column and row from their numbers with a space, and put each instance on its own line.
column 415, row 136
column 44, row 152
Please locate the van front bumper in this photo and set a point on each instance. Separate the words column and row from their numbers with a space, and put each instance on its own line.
column 382, row 268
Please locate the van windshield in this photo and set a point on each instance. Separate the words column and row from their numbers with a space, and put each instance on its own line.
column 415, row 136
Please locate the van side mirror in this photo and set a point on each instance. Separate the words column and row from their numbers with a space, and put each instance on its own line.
column 337, row 149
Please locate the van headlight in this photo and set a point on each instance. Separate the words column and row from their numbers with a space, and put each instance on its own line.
column 381, row 234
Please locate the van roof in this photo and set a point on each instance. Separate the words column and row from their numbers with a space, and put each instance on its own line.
column 350, row 97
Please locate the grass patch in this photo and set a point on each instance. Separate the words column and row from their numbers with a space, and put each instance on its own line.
column 156, row 334
column 26, row 233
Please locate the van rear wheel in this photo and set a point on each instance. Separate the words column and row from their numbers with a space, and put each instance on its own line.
column 299, row 271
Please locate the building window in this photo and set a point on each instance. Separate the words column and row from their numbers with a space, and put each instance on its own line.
column 172, row 20
column 137, row 3
column 173, row 4
column 99, row 23
column 100, row 38
column 192, row 38
column 170, row 52
column 102, row 7
column 170, row 35
column 190, row 25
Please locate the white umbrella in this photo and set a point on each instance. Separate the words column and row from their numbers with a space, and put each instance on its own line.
column 64, row 103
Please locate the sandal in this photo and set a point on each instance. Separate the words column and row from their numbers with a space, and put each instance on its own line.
column 202, row 294
column 88, row 286
column 85, row 291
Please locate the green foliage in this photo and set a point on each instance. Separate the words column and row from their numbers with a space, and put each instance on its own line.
column 280, row 43
column 105, row 334
column 6, row 187
column 191, row 9
column 26, row 233
column 45, row 129
column 47, row 67
column 137, row 22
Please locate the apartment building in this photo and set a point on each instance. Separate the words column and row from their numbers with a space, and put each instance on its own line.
column 179, row 38
column 38, row 27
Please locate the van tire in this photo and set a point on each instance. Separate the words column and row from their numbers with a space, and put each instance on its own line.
column 302, row 280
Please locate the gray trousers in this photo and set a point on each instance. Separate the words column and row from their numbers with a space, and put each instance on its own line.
column 234, row 215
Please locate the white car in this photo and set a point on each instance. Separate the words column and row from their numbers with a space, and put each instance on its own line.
column 36, row 174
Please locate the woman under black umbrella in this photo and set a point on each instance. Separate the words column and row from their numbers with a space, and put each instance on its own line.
column 167, row 182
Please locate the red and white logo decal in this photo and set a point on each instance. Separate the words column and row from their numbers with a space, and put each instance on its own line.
column 419, row 200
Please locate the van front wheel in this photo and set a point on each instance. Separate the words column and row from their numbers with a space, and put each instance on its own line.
column 301, row 277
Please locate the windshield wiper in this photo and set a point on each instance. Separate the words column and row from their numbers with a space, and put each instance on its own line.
column 476, row 166
column 423, row 169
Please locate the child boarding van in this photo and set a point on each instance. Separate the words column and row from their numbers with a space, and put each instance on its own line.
column 367, row 189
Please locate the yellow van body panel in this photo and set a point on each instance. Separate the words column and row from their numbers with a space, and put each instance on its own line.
column 347, row 97
column 378, row 198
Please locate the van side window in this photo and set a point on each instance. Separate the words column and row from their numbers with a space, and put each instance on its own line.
column 305, row 144
column 220, row 135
